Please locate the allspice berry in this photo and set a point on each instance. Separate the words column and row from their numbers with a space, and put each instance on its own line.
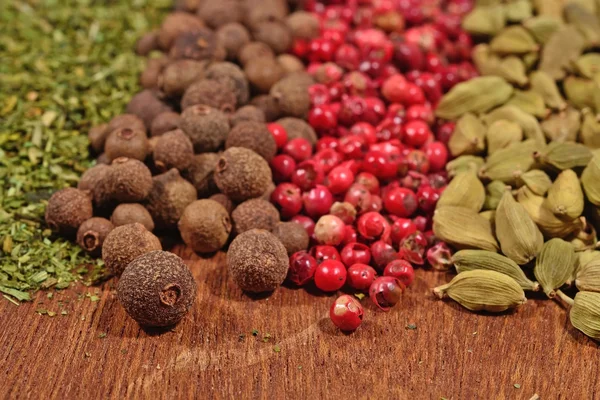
column 147, row 43
column 205, row 226
column 92, row 177
column 298, row 128
column 254, row 214
column 253, row 51
column 125, row 121
column 175, row 24
column 254, row 136
column 67, row 209
column 292, row 96
column 164, row 122
column 97, row 137
column 259, row 11
column 224, row 201
column 127, row 142
column 199, row 45
column 126, row 243
column 207, row 127
column 150, row 75
column 292, row 235
column 303, row 25
column 263, row 73
column 157, row 289
column 178, row 75
column 219, row 13
column 92, row 233
column 257, row 261
column 247, row 113
column 275, row 34
column 146, row 105
column 290, row 63
column 268, row 105
column 130, row 213
column 201, row 173
column 231, row 76
column 126, row 181
column 170, row 195
column 211, row 94
column 233, row 36
column 242, row 174
column 173, row 150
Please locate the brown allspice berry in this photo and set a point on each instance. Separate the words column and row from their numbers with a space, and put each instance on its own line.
column 125, row 121
column 102, row 159
column 126, row 142
column 199, row 45
column 157, row 289
column 303, row 25
column 92, row 233
column 67, row 209
column 175, row 24
column 170, row 195
column 97, row 137
column 178, row 75
column 152, row 143
column 205, row 226
column 242, row 174
column 263, row 73
column 150, row 76
column 268, row 105
column 254, row 136
column 130, row 213
column 291, row 94
column 290, row 63
column 164, row 122
column 126, row 181
column 267, row 193
column 254, row 50
column 258, row 11
column 298, row 128
column 233, row 36
column 126, row 243
column 201, row 173
column 292, row 235
column 92, row 177
column 209, row 93
column 173, row 150
column 275, row 34
column 257, row 261
column 190, row 6
column 247, row 113
column 207, row 127
column 254, row 214
column 233, row 77
column 146, row 105
column 146, row 43
column 219, row 13
column 223, row 200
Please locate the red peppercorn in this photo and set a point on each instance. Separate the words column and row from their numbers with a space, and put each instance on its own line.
column 382, row 254
column 279, row 134
column 324, row 252
column 320, row 50
column 308, row 174
column 386, row 291
column 352, row 146
column 401, row 202
column 376, row 203
column 412, row 95
column 360, row 197
column 346, row 313
column 445, row 131
column 440, row 257
column 401, row 228
column 401, row 270
column 299, row 149
column 307, row 223
column 421, row 223
column 366, row 131
column 317, row 201
column 328, row 158
column 374, row 110
column 417, row 161
column 380, row 164
column 354, row 253
column 427, row 198
column 420, row 112
column 329, row 230
column 412, row 248
column 319, row 94
column 393, row 88
column 360, row 276
column 408, row 56
column 339, row 180
column 283, row 166
column 416, row 133
column 330, row 275
column 302, row 268
column 373, row 226
column 369, row 181
column 287, row 198
column 347, row 56
column 437, row 155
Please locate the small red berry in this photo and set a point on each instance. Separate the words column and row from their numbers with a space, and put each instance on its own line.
column 287, row 198
column 386, row 291
column 440, row 257
column 401, row 270
column 344, row 210
column 417, row 161
column 279, row 134
column 401, row 202
column 361, row 276
column 346, row 313
column 382, row 253
column 299, row 149
column 326, row 142
column 380, row 164
column 366, row 131
column 393, row 88
column 445, row 131
column 302, row 268
column 283, row 166
column 319, row 94
column 324, row 252
column 412, row 248
column 401, row 228
column 376, row 203
column 350, row 236
column 427, row 198
column 339, row 180
column 373, row 226
column 369, row 181
column 416, row 133
column 328, row 158
column 330, row 275
column 308, row 174
column 352, row 146
column 420, row 112
column 329, row 230
column 307, row 223
column 437, row 155
column 317, row 201
column 421, row 223
column 354, row 253
column 360, row 197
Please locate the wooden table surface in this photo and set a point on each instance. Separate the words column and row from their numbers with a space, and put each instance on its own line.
column 96, row 351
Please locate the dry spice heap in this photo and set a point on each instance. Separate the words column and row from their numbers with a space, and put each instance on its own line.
column 526, row 177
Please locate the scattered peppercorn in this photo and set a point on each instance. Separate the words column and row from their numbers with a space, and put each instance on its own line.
column 125, row 243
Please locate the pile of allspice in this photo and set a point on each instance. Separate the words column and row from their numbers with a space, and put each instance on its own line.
column 523, row 207
column 191, row 156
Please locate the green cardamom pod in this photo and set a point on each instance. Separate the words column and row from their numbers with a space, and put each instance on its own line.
column 485, row 20
column 465, row 190
column 476, row 96
column 551, row 8
column 519, row 237
column 587, row 256
column 514, row 70
column 510, row 68
column 463, row 228
column 588, row 65
column 508, row 164
column 590, row 130
column 530, row 102
column 513, row 40
column 518, row 10
column 562, row 48
column 468, row 136
column 468, row 260
column 562, row 126
column 530, row 125
column 555, row 265
column 590, row 180
column 588, row 276
column 481, row 290
column 563, row 156
column 585, row 313
column 545, row 85
column 463, row 164
column 501, row 134
column 586, row 23
column 542, row 27
column 537, row 181
column 494, row 192
column 565, row 197
column 490, row 216
column 580, row 92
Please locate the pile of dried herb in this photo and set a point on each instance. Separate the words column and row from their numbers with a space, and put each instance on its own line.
column 67, row 65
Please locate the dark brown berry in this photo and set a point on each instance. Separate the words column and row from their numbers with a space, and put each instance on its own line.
column 126, row 243
column 97, row 137
column 298, row 128
column 242, row 174
column 125, row 121
column 207, row 127
column 67, row 209
column 268, row 105
column 292, row 235
column 258, row 11
column 205, row 226
column 209, row 93
column 190, row 6
column 126, row 181
column 233, row 37
column 232, row 77
column 173, row 150
column 263, row 73
column 198, row 45
column 179, row 75
column 130, row 213
column 127, row 142
column 157, row 289
column 303, row 25
column 92, row 233
column 149, row 78
column 257, row 261
column 170, row 195
column 201, row 173
column 92, row 177
column 146, row 105
column 224, row 201
column 254, row 136
column 147, row 43
column 292, row 96
column 102, row 159
column 254, row 50
column 247, row 113
column 164, row 122
column 254, row 214
column 174, row 24
column 275, row 34
column 267, row 193
column 290, row 63
column 219, row 13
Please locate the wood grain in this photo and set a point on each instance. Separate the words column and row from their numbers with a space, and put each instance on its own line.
column 452, row 354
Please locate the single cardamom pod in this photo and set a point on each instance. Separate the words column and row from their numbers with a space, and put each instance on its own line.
column 463, row 228
column 494, row 192
column 508, row 164
column 588, row 65
column 510, row 68
column 590, row 180
column 549, row 224
column 555, row 265
column 590, row 130
column 585, row 21
column 513, row 40
column 519, row 237
column 489, row 215
column 587, row 256
column 481, row 290
column 542, row 27
column 580, row 92
column 551, row 8
column 463, row 164
column 469, row 260
column 530, row 60
column 501, row 134
column 514, row 70
column 562, row 126
column 518, row 10
column 563, row 156
column 562, row 48
column 585, row 313
column 485, row 20
column 585, row 238
column 530, row 125
column 537, row 181
column 588, row 276
column 465, row 190
column 530, row 102
column 545, row 85
column 477, row 96
column 565, row 197
column 468, row 136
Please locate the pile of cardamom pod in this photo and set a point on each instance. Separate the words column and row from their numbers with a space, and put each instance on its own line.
column 526, row 172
